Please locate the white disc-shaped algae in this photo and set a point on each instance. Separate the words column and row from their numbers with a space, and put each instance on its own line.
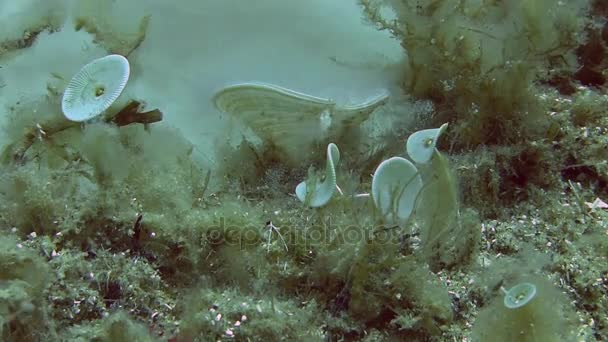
column 95, row 87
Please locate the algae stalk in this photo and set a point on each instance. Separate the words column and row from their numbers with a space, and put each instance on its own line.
column 15, row 152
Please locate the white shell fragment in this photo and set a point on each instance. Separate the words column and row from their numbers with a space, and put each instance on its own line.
column 95, row 87
column 395, row 187
column 322, row 191
column 291, row 120
column 421, row 145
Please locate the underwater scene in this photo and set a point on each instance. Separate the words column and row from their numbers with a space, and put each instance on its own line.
column 319, row 170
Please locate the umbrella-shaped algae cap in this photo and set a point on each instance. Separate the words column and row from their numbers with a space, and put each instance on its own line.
column 95, row 87
column 421, row 145
column 290, row 120
column 395, row 188
column 321, row 192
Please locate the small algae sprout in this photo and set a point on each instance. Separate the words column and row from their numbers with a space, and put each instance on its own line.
column 421, row 145
column 315, row 193
column 395, row 187
column 519, row 295
column 274, row 229
column 287, row 118
column 95, row 88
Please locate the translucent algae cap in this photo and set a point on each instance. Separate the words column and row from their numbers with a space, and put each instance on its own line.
column 395, row 188
column 421, row 145
column 291, row 120
column 95, row 87
column 323, row 191
column 519, row 295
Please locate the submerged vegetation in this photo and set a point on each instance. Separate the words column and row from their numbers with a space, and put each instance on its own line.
column 110, row 231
